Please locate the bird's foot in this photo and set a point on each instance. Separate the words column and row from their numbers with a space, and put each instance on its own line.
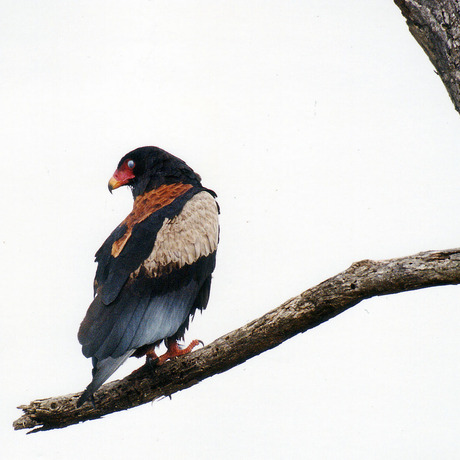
column 151, row 358
column 175, row 350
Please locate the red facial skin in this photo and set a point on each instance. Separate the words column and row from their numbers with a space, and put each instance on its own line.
column 121, row 176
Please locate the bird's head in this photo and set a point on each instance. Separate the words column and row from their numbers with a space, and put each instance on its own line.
column 147, row 168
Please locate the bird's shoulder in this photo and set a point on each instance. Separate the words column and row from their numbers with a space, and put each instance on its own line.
column 168, row 227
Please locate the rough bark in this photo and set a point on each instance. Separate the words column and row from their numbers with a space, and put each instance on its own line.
column 361, row 281
column 435, row 24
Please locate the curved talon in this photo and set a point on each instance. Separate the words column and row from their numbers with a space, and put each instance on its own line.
column 151, row 362
column 193, row 344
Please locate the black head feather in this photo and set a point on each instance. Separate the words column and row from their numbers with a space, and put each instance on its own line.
column 154, row 167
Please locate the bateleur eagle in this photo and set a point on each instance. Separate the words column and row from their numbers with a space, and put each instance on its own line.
column 154, row 270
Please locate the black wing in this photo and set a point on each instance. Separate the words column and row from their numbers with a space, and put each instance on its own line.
column 113, row 272
column 148, row 291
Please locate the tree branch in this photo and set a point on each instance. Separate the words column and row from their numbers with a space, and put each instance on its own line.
column 361, row 281
column 435, row 24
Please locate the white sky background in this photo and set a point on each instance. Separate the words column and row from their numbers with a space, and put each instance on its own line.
column 328, row 138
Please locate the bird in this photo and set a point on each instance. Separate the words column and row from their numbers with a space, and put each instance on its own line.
column 154, row 270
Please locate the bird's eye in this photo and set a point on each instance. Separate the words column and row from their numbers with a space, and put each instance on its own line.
column 130, row 164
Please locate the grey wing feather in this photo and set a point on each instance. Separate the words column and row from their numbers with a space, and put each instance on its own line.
column 153, row 319
column 165, row 315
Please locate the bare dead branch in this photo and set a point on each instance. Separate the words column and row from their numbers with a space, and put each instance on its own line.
column 435, row 24
column 361, row 281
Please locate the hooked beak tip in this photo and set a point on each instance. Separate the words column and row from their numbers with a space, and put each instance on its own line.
column 113, row 184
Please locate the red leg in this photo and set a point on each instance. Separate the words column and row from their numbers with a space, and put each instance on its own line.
column 150, row 354
column 174, row 350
